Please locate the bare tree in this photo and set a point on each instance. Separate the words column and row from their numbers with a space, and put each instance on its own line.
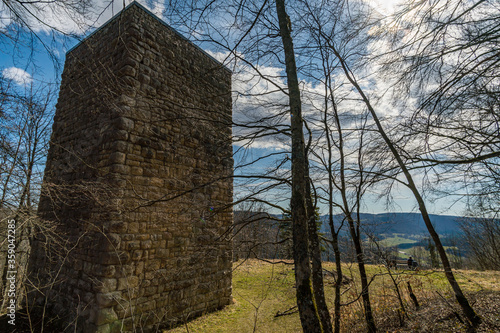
column 448, row 63
column 256, row 233
column 312, row 308
column 462, row 300
column 346, row 134
column 482, row 238
column 25, row 135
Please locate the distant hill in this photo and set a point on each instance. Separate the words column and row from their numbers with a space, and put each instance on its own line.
column 401, row 223
column 402, row 230
column 410, row 225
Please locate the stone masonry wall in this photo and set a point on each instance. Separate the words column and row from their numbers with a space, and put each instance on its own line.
column 138, row 177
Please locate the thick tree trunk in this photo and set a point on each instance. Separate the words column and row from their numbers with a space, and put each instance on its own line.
column 309, row 316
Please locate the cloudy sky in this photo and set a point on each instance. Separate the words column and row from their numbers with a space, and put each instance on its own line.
column 254, row 98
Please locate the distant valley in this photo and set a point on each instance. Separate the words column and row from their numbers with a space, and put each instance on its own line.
column 402, row 230
column 408, row 224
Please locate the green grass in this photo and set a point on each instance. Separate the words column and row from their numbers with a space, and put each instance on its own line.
column 261, row 289
column 395, row 240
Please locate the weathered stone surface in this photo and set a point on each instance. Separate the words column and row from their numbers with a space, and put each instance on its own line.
column 106, row 316
column 108, row 299
column 139, row 177
column 129, row 282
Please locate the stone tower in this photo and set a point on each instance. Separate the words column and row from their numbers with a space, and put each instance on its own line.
column 138, row 181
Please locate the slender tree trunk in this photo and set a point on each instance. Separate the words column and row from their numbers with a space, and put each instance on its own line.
column 355, row 235
column 461, row 299
column 412, row 295
column 338, row 282
column 335, row 236
column 309, row 316
column 317, row 269
column 365, row 294
column 402, row 309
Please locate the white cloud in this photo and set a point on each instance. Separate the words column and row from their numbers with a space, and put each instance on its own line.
column 158, row 9
column 68, row 17
column 386, row 7
column 18, row 75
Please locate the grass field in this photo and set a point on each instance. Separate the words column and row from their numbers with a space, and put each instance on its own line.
column 261, row 290
column 395, row 240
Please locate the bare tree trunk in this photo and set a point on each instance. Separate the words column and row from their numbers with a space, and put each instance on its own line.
column 309, row 316
column 317, row 269
column 365, row 295
column 338, row 282
column 329, row 93
column 412, row 295
column 402, row 310
column 335, row 234
column 354, row 229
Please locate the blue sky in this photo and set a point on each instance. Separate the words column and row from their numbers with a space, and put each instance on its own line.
column 17, row 62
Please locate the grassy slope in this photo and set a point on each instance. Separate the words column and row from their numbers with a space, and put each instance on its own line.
column 261, row 290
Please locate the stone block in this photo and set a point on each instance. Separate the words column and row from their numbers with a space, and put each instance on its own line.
column 128, row 282
column 127, row 70
column 106, row 300
column 117, row 158
column 146, row 244
column 107, row 285
column 136, row 171
column 106, row 316
column 123, row 123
